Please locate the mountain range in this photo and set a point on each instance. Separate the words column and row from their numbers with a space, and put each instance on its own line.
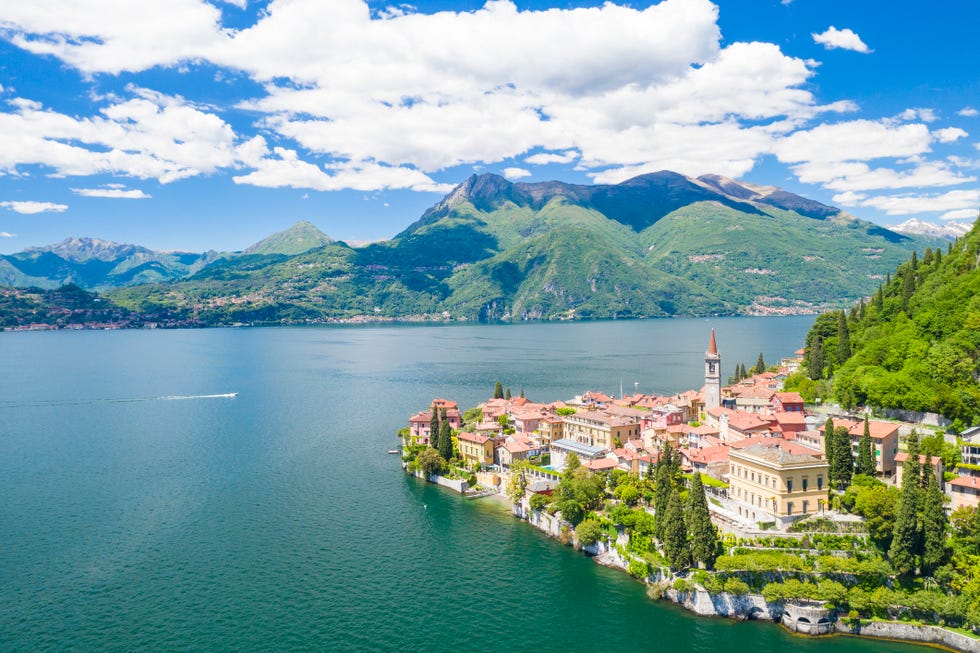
column 655, row 245
column 949, row 231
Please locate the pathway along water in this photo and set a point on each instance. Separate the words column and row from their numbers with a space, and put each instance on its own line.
column 275, row 519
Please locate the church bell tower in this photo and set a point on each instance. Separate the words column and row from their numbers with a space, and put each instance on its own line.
column 712, row 375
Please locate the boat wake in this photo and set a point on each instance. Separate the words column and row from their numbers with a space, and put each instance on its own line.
column 227, row 395
column 82, row 402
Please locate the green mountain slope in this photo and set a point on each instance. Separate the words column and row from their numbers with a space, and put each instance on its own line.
column 659, row 244
column 97, row 265
column 916, row 345
column 299, row 238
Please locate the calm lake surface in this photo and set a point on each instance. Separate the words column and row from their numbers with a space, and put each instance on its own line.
column 137, row 513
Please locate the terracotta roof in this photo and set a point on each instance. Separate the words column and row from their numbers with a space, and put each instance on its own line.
column 789, row 446
column 789, row 417
column 473, row 437
column 601, row 463
column 966, row 481
column 901, row 457
column 706, row 455
column 712, row 347
column 778, row 453
column 789, row 397
column 515, row 447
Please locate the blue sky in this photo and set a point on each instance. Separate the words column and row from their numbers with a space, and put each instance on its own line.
column 196, row 124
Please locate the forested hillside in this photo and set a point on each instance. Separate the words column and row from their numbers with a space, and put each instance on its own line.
column 915, row 344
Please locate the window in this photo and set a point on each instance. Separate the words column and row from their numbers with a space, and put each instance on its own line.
column 789, row 485
column 805, row 506
column 805, row 483
column 789, row 508
column 820, row 482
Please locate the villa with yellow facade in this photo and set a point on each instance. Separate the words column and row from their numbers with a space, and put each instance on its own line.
column 777, row 482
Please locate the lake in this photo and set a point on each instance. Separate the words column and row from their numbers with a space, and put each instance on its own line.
column 139, row 511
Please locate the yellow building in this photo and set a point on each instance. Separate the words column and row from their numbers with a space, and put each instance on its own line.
column 777, row 482
column 599, row 429
column 476, row 448
column 550, row 430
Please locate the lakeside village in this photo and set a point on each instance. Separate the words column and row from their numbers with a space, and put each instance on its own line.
column 772, row 509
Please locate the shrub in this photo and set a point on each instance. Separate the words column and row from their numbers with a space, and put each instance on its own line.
column 588, row 532
column 736, row 586
column 638, row 568
column 539, row 501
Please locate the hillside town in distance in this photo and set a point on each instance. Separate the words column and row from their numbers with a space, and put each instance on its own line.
column 761, row 452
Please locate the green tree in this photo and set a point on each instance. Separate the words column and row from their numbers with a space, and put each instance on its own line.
column 843, row 339
column 434, row 429
column 815, row 359
column 588, row 532
column 760, row 365
column 879, row 507
column 865, row 461
column 507, row 395
column 935, row 525
column 663, row 485
column 704, row 538
column 676, row 549
column 572, row 462
column 522, row 393
column 517, row 484
column 445, row 440
column 843, row 465
column 430, row 462
column 905, row 540
column 498, row 391
column 829, row 449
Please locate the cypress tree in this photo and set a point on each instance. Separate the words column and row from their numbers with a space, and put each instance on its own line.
column 815, row 364
column 888, row 279
column 862, row 309
column 760, row 365
column 939, row 256
column 935, row 524
column 498, row 391
column 676, row 549
column 704, row 539
column 507, row 396
column 927, row 258
column 843, row 460
column 445, row 440
column 880, row 299
column 662, row 486
column 905, row 542
column 843, row 339
column 915, row 261
column 866, row 462
column 434, row 429
column 829, row 450
column 522, row 393
column 745, row 372
column 908, row 287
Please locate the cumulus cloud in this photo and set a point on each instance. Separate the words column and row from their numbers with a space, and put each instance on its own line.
column 959, row 214
column 954, row 201
column 949, row 134
column 968, row 112
column 516, row 173
column 844, row 39
column 112, row 191
column 31, row 207
column 545, row 158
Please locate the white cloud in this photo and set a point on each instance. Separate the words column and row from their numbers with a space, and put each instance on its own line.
column 949, row 134
column 241, row 4
column 959, row 214
column 923, row 114
column 7, row 234
column 112, row 192
column 545, row 158
column 30, row 207
column 952, row 201
column 968, row 112
column 845, row 39
column 516, row 173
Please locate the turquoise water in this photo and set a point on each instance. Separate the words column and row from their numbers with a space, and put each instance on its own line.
column 141, row 512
